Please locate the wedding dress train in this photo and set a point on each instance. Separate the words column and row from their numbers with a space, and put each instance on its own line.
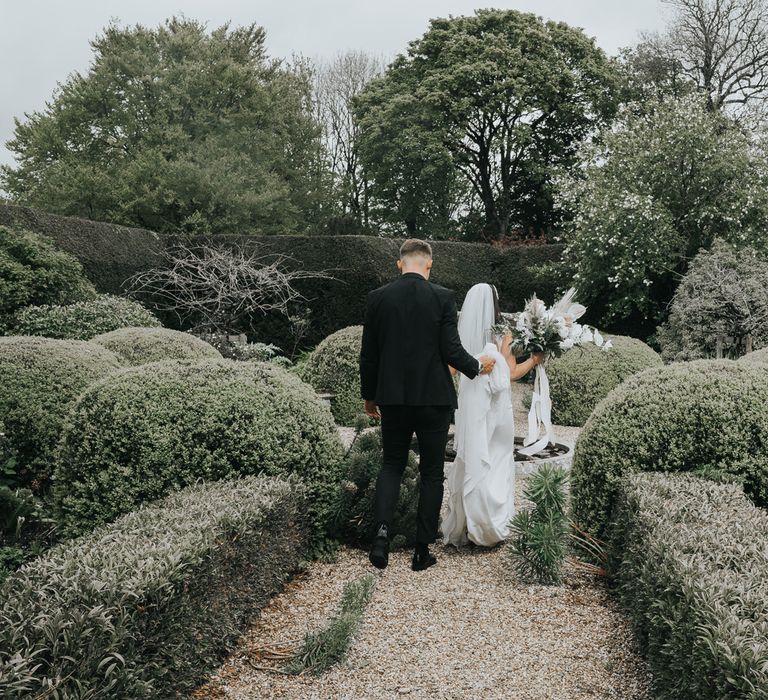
column 481, row 480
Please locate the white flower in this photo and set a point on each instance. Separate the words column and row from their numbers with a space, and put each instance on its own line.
column 586, row 335
column 608, row 345
column 562, row 328
column 576, row 330
column 598, row 338
column 576, row 311
column 567, row 344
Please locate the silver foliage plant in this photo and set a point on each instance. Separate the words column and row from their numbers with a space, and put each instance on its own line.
column 147, row 605
column 690, row 558
column 724, row 293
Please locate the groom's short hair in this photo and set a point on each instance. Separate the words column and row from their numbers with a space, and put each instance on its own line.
column 415, row 246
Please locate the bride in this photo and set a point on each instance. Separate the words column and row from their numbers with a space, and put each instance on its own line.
column 481, row 480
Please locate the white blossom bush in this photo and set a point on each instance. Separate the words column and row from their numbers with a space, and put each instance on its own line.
column 660, row 185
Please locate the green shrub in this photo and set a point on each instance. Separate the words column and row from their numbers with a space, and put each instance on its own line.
column 39, row 379
column 706, row 416
column 247, row 352
column 147, row 606
column 33, row 271
column 82, row 320
column 139, row 346
column 723, row 294
column 334, row 366
column 581, row 378
column 148, row 430
column 693, row 574
column 537, row 546
column 758, row 356
column 109, row 253
column 355, row 516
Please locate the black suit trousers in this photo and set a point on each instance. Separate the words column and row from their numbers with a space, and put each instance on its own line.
column 398, row 425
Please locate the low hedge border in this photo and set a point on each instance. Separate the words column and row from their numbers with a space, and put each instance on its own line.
column 691, row 559
column 148, row 605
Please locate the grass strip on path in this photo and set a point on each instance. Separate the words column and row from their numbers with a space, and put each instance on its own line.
column 323, row 649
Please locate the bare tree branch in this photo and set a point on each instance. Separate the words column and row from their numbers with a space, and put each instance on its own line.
column 722, row 46
column 218, row 288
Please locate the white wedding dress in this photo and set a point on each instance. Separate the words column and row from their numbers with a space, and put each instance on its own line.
column 481, row 480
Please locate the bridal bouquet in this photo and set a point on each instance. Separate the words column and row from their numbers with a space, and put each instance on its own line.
column 552, row 331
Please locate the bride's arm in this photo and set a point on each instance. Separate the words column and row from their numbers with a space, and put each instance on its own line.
column 517, row 370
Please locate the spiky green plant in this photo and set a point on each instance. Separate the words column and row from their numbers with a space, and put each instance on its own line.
column 328, row 646
column 538, row 544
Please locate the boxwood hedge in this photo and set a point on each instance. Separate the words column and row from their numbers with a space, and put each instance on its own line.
column 82, row 320
column 581, row 378
column 33, row 271
column 147, row 606
column 706, row 416
column 759, row 356
column 147, row 430
column 39, row 379
column 334, row 366
column 109, row 253
column 690, row 559
column 139, row 346
column 368, row 262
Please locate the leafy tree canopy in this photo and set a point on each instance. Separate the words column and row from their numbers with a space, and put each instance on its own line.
column 174, row 129
column 466, row 129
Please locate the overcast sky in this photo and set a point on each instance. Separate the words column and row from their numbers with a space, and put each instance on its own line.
column 42, row 41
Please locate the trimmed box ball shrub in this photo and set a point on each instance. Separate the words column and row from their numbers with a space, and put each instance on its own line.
column 39, row 379
column 334, row 366
column 82, row 320
column 758, row 356
column 148, row 430
column 581, row 378
column 707, row 416
column 147, row 606
column 33, row 271
column 693, row 575
column 139, row 346
column 354, row 523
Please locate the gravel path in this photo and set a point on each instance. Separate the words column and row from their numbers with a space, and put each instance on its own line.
column 466, row 628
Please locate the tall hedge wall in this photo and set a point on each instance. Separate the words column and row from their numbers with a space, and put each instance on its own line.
column 362, row 263
column 109, row 253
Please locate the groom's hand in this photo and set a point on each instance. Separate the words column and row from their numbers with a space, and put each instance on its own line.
column 487, row 363
column 371, row 409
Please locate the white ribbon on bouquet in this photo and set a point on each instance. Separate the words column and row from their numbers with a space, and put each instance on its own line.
column 539, row 417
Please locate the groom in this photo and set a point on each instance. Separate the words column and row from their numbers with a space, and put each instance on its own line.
column 409, row 339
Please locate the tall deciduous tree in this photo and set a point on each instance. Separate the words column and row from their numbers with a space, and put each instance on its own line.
column 337, row 82
column 718, row 46
column 471, row 123
column 175, row 129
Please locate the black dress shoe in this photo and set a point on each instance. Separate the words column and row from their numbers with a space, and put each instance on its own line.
column 379, row 555
column 423, row 560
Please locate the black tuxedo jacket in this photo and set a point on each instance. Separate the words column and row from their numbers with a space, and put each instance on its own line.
column 409, row 339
